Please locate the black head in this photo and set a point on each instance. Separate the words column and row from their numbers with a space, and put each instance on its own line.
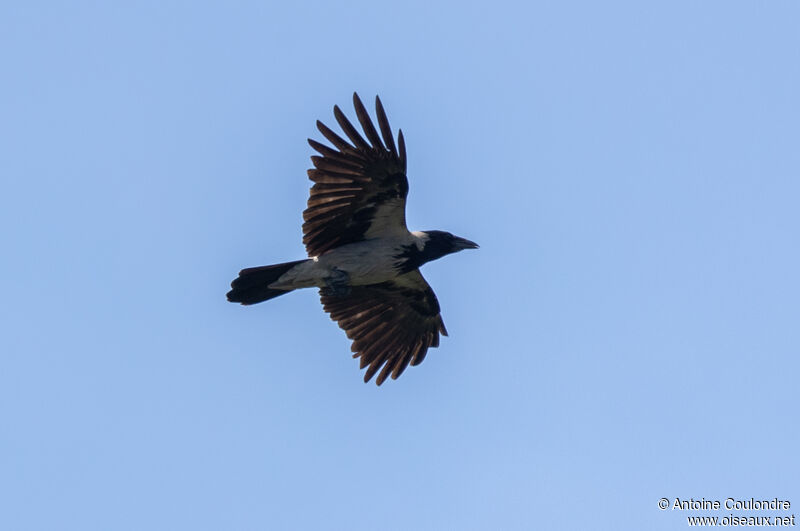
column 440, row 243
column 435, row 244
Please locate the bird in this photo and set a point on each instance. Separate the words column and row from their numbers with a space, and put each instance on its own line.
column 361, row 255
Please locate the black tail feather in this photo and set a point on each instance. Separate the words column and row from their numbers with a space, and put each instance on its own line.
column 252, row 285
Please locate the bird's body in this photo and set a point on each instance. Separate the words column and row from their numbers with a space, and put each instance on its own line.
column 366, row 262
column 362, row 257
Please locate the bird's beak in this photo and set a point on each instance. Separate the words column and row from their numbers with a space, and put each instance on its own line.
column 463, row 243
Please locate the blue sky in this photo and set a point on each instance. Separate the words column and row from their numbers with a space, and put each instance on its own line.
column 627, row 331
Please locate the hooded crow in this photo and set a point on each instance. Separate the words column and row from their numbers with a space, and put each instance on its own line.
column 362, row 256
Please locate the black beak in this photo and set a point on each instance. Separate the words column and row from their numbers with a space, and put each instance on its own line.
column 463, row 243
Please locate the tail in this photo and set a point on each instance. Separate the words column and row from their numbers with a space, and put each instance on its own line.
column 252, row 285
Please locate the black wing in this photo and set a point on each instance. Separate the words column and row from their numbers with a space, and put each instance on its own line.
column 391, row 324
column 359, row 190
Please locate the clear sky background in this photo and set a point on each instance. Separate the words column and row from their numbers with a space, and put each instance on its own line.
column 627, row 331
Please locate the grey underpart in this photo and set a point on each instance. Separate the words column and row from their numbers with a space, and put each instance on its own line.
column 337, row 285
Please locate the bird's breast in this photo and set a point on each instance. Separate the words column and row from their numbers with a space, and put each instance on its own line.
column 367, row 262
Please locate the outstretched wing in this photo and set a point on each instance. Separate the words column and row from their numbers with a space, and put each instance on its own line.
column 359, row 189
column 392, row 324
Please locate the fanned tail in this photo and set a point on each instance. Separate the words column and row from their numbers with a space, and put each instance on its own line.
column 252, row 285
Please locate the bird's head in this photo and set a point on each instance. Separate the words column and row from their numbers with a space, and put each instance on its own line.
column 437, row 243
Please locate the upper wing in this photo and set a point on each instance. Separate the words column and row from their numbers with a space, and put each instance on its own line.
column 360, row 190
column 391, row 324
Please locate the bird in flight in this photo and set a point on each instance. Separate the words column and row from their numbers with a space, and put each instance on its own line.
column 362, row 257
